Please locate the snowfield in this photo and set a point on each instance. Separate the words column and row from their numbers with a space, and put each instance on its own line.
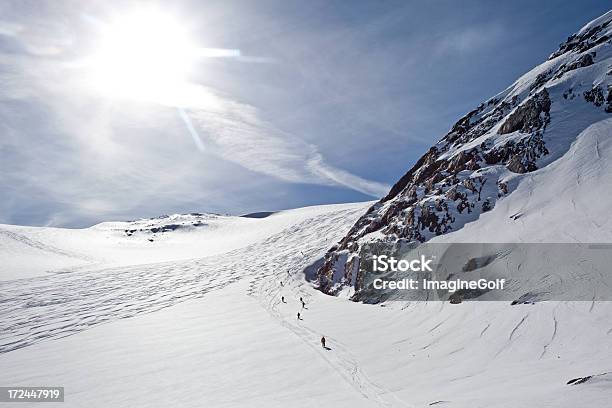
column 32, row 251
column 212, row 331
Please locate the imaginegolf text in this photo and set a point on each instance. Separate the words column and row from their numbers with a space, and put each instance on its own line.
column 450, row 286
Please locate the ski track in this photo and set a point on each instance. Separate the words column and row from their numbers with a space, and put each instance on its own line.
column 59, row 305
column 340, row 359
column 552, row 337
column 511, row 335
column 41, row 246
column 485, row 329
column 517, row 327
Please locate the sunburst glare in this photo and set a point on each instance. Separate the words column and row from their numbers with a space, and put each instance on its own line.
column 143, row 55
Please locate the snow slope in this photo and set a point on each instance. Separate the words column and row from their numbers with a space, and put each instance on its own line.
column 33, row 251
column 213, row 332
column 60, row 304
column 567, row 201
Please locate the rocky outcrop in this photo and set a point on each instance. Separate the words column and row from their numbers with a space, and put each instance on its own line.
column 595, row 96
column 583, row 41
column 580, row 62
column 467, row 171
column 443, row 190
column 533, row 114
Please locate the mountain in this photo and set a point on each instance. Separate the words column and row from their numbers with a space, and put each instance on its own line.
column 200, row 310
column 531, row 164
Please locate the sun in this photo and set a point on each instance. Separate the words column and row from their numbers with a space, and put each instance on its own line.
column 142, row 55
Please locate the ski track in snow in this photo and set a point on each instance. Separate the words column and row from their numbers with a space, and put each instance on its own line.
column 554, row 334
column 517, row 327
column 485, row 329
column 41, row 246
column 59, row 305
column 341, row 359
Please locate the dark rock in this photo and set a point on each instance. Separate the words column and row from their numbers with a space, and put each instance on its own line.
column 515, row 165
column 594, row 95
column 427, row 158
column 486, row 205
column 579, row 380
column 582, row 42
column 540, row 80
column 503, row 189
column 527, row 117
column 583, row 61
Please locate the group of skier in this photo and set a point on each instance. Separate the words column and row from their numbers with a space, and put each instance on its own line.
column 299, row 315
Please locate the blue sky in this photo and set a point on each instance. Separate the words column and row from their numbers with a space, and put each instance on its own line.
column 329, row 101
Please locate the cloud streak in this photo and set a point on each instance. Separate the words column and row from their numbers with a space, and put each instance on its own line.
column 236, row 132
column 75, row 155
column 467, row 40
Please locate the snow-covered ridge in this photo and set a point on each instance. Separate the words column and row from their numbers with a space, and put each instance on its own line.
column 493, row 152
column 36, row 251
column 161, row 224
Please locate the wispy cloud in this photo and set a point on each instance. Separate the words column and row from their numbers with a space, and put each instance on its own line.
column 236, row 132
column 467, row 40
column 318, row 166
column 81, row 153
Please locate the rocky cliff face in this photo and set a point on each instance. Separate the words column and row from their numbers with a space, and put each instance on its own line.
column 482, row 158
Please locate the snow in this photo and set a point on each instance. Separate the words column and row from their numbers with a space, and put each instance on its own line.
column 568, row 117
column 598, row 21
column 185, row 310
column 567, row 201
column 212, row 331
column 33, row 251
column 221, row 350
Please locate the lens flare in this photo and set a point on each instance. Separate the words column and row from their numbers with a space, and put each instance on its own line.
column 142, row 55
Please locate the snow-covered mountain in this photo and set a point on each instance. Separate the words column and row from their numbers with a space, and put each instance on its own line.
column 201, row 309
column 531, row 164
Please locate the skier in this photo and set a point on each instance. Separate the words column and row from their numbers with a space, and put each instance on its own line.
column 323, row 341
column 298, row 315
column 283, row 299
column 281, row 283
